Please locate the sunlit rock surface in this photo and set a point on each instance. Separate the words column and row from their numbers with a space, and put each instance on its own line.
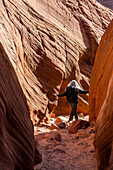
column 101, row 100
column 107, row 3
column 17, row 147
column 50, row 43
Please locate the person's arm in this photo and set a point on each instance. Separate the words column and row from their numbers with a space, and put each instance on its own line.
column 61, row 95
column 83, row 92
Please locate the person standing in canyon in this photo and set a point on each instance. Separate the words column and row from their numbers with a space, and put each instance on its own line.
column 72, row 91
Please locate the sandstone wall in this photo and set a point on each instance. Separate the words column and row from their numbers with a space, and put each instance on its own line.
column 101, row 100
column 17, row 147
column 50, row 43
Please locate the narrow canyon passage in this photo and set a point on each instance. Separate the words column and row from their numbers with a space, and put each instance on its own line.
column 63, row 150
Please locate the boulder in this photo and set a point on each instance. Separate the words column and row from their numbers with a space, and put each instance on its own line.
column 77, row 124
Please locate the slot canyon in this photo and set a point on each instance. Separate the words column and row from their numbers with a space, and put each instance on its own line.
column 44, row 45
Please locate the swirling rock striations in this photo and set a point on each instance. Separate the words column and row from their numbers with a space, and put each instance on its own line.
column 17, row 147
column 101, row 100
column 50, row 43
column 107, row 3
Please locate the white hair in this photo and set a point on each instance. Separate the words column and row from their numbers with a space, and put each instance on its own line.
column 75, row 84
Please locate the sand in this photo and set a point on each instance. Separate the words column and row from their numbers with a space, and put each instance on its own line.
column 73, row 152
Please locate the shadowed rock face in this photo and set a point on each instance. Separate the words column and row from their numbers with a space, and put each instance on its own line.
column 107, row 3
column 17, row 148
column 101, row 100
column 50, row 43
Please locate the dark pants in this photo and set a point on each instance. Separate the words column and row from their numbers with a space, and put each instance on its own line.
column 74, row 110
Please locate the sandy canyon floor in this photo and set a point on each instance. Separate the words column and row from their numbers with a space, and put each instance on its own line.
column 62, row 150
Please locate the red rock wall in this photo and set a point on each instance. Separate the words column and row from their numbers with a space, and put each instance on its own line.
column 50, row 43
column 101, row 100
column 17, row 147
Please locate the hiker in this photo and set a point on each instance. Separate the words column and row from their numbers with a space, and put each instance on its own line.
column 72, row 91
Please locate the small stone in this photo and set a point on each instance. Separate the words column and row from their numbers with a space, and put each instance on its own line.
column 52, row 115
column 58, row 120
column 81, row 115
column 53, row 135
column 53, row 126
column 61, row 125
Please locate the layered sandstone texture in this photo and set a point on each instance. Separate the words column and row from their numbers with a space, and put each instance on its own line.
column 50, row 43
column 101, row 100
column 17, row 148
column 107, row 3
